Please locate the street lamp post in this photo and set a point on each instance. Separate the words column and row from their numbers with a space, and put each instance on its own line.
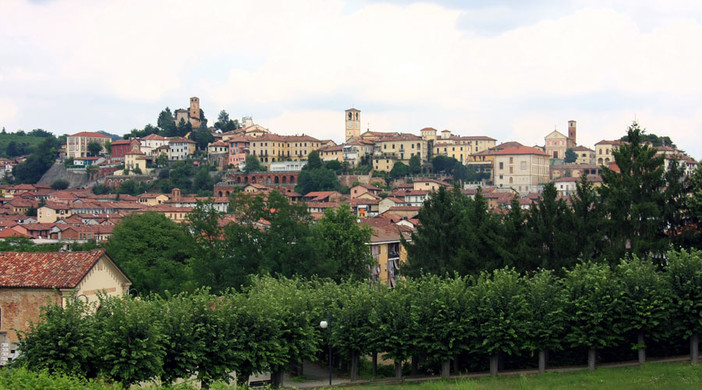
column 324, row 324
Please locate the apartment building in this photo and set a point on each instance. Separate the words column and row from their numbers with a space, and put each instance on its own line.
column 77, row 144
column 522, row 168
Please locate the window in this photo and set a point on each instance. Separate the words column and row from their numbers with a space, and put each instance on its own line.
column 502, row 165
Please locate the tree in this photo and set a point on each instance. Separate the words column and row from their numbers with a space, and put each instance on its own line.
column 166, row 123
column 343, row 244
column 394, row 325
column 153, row 251
column 693, row 203
column 684, row 276
column 645, row 301
column 225, row 124
column 588, row 221
column 59, row 184
column 94, row 148
column 64, row 341
column 443, row 164
column 334, row 165
column 502, row 314
column 415, row 164
column 570, row 156
column 319, row 179
column 182, row 128
column 203, row 137
column 632, row 195
column 352, row 323
column 546, row 301
column 287, row 246
column 183, row 328
column 162, row 160
column 252, row 164
column 399, row 169
column 108, row 147
column 593, row 308
column 483, row 246
column 550, row 225
column 313, row 161
column 436, row 244
column 288, row 305
column 130, row 341
column 444, row 318
column 37, row 163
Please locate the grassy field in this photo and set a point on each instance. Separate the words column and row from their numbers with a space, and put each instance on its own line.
column 650, row 376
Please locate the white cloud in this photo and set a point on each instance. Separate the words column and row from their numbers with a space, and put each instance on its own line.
column 297, row 65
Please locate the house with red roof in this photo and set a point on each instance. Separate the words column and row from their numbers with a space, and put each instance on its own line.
column 28, row 280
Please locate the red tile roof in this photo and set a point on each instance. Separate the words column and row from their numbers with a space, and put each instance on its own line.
column 89, row 134
column 46, row 269
column 520, row 150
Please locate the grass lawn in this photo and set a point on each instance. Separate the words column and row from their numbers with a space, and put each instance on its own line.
column 650, row 376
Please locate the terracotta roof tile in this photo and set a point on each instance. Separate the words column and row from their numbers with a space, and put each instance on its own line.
column 46, row 269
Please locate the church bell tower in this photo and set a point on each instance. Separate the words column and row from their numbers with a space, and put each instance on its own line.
column 353, row 123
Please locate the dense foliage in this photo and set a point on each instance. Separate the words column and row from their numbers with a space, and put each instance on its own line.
column 267, row 235
column 317, row 176
column 641, row 209
column 273, row 323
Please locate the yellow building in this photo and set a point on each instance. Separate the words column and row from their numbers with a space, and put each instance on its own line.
column 401, row 148
column 331, row 153
column 134, row 160
column 271, row 148
column 584, row 155
column 387, row 250
column 604, row 150
column 453, row 146
column 53, row 211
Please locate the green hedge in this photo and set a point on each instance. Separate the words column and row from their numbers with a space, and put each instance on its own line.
column 275, row 323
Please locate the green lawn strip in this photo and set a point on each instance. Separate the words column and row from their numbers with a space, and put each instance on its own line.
column 650, row 376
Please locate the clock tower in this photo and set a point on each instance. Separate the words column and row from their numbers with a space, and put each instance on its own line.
column 353, row 123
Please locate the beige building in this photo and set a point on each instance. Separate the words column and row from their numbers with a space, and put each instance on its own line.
column 358, row 152
column 521, row 168
column 556, row 145
column 30, row 280
column 331, row 153
column 53, row 211
column 271, row 148
column 584, row 155
column 604, row 151
column 401, row 148
column 77, row 144
column 134, row 160
column 453, row 146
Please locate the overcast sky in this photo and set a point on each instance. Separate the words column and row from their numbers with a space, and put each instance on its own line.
column 511, row 70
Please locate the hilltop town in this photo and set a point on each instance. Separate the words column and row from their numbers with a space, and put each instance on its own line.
column 384, row 177
column 184, row 206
